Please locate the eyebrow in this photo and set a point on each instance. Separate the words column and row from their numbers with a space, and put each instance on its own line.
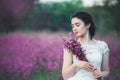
column 76, row 23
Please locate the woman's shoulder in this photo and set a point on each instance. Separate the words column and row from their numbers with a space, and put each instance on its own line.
column 102, row 45
column 100, row 42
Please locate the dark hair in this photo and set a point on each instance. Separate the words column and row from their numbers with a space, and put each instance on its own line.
column 87, row 19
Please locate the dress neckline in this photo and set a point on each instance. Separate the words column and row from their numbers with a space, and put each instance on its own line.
column 94, row 42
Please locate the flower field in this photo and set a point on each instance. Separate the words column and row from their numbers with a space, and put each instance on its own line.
column 38, row 56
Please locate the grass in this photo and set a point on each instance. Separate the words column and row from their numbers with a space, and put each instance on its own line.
column 41, row 75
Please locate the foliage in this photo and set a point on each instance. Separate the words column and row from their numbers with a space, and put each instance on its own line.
column 56, row 16
column 113, row 9
column 102, row 19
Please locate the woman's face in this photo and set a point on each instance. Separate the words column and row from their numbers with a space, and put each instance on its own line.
column 79, row 27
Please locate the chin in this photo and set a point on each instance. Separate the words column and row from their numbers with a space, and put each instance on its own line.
column 77, row 35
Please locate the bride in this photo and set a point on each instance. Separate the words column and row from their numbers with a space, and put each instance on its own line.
column 97, row 52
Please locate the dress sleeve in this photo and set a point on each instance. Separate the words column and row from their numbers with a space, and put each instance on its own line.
column 105, row 48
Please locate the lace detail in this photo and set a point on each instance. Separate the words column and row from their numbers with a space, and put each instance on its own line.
column 101, row 46
column 104, row 47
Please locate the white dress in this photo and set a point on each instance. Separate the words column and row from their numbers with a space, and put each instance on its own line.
column 94, row 56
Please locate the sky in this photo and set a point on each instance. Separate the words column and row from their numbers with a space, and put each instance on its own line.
column 91, row 2
column 85, row 2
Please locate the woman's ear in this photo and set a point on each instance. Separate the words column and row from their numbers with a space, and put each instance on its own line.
column 88, row 26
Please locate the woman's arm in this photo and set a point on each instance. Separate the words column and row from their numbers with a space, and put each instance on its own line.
column 104, row 72
column 105, row 66
column 68, row 68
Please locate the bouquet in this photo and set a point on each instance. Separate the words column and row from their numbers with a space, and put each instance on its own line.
column 76, row 48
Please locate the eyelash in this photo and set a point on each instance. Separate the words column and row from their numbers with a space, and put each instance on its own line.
column 76, row 25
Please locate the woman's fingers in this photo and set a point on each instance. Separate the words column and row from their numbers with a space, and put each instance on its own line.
column 88, row 67
column 85, row 65
column 97, row 73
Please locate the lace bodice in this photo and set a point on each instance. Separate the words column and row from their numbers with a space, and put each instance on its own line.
column 94, row 53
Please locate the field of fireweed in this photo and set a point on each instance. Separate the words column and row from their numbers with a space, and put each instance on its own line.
column 38, row 56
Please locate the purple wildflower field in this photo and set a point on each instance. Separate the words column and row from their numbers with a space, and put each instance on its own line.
column 23, row 54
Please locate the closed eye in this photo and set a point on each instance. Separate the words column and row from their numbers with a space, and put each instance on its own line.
column 77, row 24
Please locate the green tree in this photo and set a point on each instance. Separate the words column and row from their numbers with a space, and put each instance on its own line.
column 61, row 13
column 113, row 7
column 102, row 18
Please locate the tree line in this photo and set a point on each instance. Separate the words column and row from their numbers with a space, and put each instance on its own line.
column 56, row 16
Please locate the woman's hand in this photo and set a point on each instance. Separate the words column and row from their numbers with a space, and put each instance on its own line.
column 84, row 65
column 96, row 73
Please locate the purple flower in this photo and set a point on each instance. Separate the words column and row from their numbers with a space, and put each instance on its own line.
column 75, row 48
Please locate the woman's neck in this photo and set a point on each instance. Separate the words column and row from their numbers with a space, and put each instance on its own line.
column 85, row 39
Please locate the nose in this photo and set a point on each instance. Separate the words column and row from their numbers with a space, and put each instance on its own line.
column 74, row 29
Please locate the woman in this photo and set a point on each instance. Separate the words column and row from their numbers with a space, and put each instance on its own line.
column 97, row 52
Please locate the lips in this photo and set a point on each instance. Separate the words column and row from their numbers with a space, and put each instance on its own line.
column 76, row 32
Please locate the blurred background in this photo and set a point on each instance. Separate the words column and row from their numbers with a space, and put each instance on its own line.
column 30, row 42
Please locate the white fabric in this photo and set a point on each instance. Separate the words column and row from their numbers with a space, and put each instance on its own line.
column 94, row 56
